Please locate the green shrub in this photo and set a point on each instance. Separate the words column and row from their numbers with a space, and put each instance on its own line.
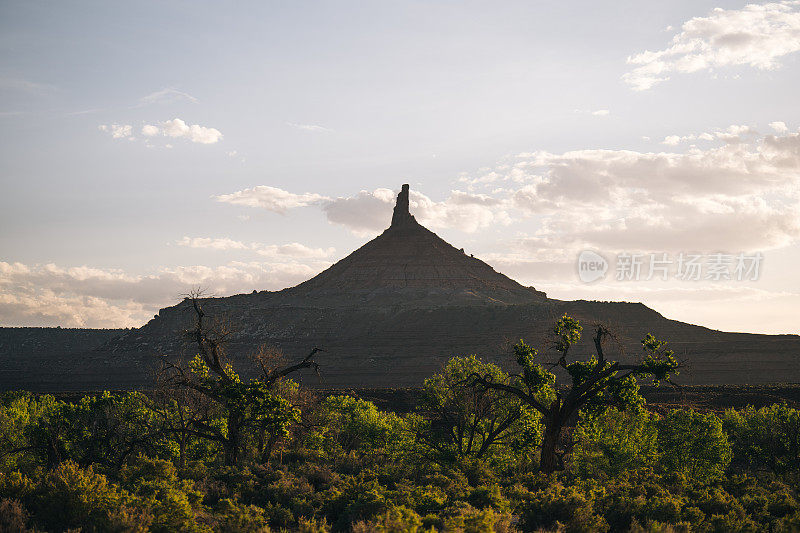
column 693, row 444
column 765, row 438
column 616, row 441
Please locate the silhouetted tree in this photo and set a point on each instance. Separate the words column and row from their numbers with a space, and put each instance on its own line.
column 595, row 382
column 251, row 404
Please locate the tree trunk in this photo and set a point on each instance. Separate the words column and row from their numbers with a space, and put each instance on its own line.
column 548, row 462
column 231, row 444
column 182, row 451
column 269, row 447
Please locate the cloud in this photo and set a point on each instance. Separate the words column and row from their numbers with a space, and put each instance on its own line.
column 195, row 133
column 673, row 140
column 370, row 212
column 270, row 198
column 167, row 96
column 780, row 127
column 149, row 130
column 743, row 195
column 595, row 113
column 211, row 243
column 175, row 128
column 49, row 294
column 23, row 85
column 293, row 249
column 310, row 127
column 757, row 35
column 366, row 213
column 714, row 305
column 117, row 131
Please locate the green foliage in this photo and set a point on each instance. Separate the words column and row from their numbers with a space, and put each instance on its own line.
column 355, row 424
column 567, row 331
column 557, row 505
column 766, row 438
column 109, row 463
column 396, row 520
column 615, row 442
column 70, row 496
column 463, row 423
column 693, row 444
column 658, row 360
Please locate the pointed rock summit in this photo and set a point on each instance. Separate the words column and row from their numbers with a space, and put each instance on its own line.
column 402, row 216
column 410, row 265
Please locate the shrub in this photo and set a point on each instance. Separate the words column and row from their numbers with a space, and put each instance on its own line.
column 693, row 444
column 71, row 496
column 615, row 442
column 557, row 504
column 13, row 516
column 765, row 439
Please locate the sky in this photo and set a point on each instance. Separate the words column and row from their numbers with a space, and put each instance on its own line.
column 149, row 148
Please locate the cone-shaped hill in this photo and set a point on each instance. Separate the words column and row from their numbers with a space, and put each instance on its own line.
column 410, row 265
column 392, row 312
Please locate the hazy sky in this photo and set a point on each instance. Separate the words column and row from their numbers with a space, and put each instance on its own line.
column 151, row 147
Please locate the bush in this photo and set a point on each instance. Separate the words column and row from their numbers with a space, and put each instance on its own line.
column 13, row 516
column 557, row 504
column 72, row 497
column 615, row 442
column 693, row 444
column 765, row 439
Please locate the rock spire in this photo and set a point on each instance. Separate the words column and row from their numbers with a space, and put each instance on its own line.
column 402, row 216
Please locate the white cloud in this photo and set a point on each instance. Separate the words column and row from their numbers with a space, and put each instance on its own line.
column 292, row 249
column 742, row 195
column 757, row 35
column 270, row 198
column 780, row 127
column 295, row 250
column 211, row 243
column 368, row 212
column 40, row 295
column 175, row 128
column 117, row 131
column 167, row 96
column 674, row 140
column 310, row 127
column 195, row 133
column 596, row 113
